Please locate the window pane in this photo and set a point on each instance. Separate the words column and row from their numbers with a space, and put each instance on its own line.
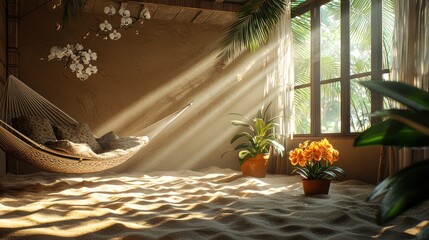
column 302, row 104
column 330, row 102
column 360, row 36
column 360, row 105
column 330, row 45
column 388, row 21
column 301, row 32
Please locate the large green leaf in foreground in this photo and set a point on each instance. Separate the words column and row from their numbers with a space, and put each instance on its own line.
column 403, row 190
column 410, row 96
column 392, row 133
column 405, row 128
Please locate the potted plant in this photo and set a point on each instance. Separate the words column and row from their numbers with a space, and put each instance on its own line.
column 315, row 161
column 404, row 128
column 257, row 142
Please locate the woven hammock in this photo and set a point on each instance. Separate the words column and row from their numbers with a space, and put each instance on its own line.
column 20, row 100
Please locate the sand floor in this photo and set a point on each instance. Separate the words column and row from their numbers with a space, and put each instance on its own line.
column 209, row 204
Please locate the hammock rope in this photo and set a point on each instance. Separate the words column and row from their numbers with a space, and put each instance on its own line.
column 20, row 100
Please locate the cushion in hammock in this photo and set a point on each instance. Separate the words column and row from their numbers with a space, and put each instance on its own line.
column 110, row 141
column 106, row 139
column 75, row 149
column 78, row 133
column 38, row 129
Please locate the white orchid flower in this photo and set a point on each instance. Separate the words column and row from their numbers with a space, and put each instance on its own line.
column 73, row 67
column 105, row 26
column 76, row 67
column 79, row 47
column 92, row 55
column 145, row 13
column 86, row 55
column 124, row 12
column 54, row 53
column 82, row 76
column 115, row 35
column 94, row 69
column 91, row 69
column 125, row 21
column 74, row 57
column 110, row 10
column 67, row 51
column 51, row 56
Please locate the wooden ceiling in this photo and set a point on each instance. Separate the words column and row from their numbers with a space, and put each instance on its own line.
column 216, row 12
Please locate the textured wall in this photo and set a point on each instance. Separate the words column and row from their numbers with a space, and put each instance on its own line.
column 141, row 79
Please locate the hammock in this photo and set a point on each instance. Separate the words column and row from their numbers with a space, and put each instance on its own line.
column 20, row 100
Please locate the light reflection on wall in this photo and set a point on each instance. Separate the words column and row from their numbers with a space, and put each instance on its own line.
column 238, row 88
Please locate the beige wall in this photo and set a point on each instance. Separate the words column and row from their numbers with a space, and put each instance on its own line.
column 143, row 78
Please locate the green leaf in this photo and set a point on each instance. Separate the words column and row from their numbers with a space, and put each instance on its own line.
column 391, row 132
column 280, row 148
column 244, row 155
column 240, row 115
column 269, row 127
column 305, row 173
column 405, row 189
column 336, row 170
column 271, row 120
column 241, row 146
column 255, row 21
column 223, row 154
column 260, row 126
column 408, row 95
column 241, row 124
column 265, row 111
column 417, row 120
column 240, row 135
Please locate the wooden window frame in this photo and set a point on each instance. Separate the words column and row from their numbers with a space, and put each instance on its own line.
column 345, row 78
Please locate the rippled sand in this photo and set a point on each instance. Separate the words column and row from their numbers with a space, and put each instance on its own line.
column 211, row 204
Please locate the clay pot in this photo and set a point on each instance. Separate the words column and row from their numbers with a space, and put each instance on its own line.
column 256, row 167
column 315, row 186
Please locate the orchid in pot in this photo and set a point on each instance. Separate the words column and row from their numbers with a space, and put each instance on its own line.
column 315, row 162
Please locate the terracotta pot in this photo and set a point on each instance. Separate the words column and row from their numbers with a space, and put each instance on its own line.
column 256, row 167
column 315, row 186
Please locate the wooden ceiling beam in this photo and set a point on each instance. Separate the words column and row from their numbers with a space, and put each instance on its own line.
column 197, row 4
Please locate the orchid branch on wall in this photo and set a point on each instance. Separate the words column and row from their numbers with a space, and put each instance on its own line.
column 108, row 30
column 76, row 58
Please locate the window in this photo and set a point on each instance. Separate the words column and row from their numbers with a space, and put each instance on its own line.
column 337, row 44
